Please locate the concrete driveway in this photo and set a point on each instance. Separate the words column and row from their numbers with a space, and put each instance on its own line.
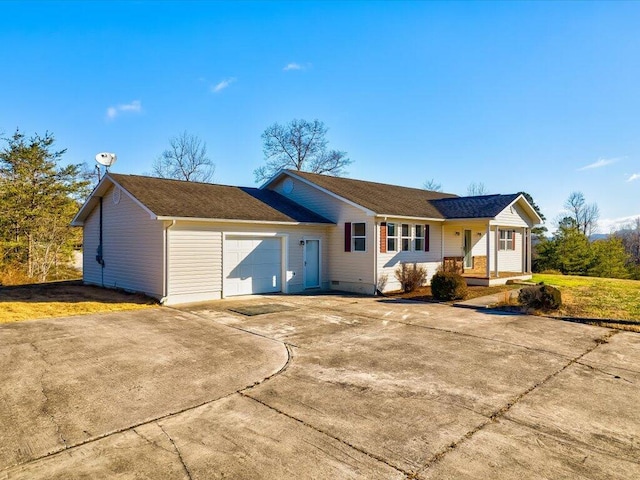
column 322, row 387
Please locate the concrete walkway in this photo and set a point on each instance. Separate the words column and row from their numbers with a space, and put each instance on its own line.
column 488, row 301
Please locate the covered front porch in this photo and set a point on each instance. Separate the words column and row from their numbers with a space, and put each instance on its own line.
column 487, row 252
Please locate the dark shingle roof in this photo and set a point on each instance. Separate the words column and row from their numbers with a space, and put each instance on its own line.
column 484, row 206
column 379, row 197
column 177, row 198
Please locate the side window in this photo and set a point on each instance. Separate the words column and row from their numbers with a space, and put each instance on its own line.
column 419, row 241
column 392, row 240
column 405, row 231
column 507, row 238
column 359, row 237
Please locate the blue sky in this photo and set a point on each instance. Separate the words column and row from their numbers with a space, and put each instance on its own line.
column 541, row 97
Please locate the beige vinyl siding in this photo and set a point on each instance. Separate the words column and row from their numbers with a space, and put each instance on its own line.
column 90, row 240
column 195, row 263
column 453, row 244
column 479, row 242
column 132, row 247
column 511, row 260
column 350, row 271
column 196, row 251
column 388, row 262
column 513, row 216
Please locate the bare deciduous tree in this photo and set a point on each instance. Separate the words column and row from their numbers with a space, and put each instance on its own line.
column 585, row 215
column 432, row 185
column 475, row 189
column 299, row 145
column 185, row 159
column 630, row 236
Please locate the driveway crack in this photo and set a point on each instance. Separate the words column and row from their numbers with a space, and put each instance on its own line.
column 612, row 375
column 282, row 369
column 184, row 465
column 151, row 442
column 504, row 409
column 45, row 406
column 318, row 430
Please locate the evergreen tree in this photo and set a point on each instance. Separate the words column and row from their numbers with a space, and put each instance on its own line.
column 38, row 199
column 609, row 259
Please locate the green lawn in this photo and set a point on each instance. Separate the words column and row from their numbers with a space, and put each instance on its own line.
column 590, row 297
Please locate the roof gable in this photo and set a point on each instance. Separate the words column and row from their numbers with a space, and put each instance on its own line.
column 180, row 199
column 380, row 198
column 483, row 206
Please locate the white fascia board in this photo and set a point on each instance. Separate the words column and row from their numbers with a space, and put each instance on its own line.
column 532, row 211
column 370, row 213
column 273, row 179
column 90, row 202
column 98, row 192
column 470, row 219
column 231, row 220
column 383, row 217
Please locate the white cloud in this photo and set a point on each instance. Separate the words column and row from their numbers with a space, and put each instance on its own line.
column 601, row 162
column 292, row 66
column 133, row 107
column 635, row 176
column 217, row 88
column 295, row 66
column 609, row 225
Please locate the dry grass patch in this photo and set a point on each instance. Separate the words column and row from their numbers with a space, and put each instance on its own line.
column 63, row 299
column 591, row 297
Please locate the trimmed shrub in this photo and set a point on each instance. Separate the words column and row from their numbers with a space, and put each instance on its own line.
column 540, row 297
column 448, row 286
column 410, row 277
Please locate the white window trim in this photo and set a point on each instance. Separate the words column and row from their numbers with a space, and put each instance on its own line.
column 403, row 238
column 354, row 236
column 416, row 237
column 503, row 243
column 395, row 237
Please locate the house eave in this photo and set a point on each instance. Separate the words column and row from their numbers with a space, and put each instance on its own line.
column 234, row 220
column 407, row 217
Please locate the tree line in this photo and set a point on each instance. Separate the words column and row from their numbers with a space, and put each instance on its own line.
column 571, row 251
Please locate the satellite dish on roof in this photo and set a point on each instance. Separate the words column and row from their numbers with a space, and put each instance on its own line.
column 106, row 159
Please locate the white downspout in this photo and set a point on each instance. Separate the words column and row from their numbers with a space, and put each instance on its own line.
column 376, row 248
column 165, row 265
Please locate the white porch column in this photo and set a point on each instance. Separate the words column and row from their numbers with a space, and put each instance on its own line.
column 529, row 250
column 523, row 245
column 488, row 250
column 495, row 250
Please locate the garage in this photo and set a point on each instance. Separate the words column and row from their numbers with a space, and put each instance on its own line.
column 252, row 265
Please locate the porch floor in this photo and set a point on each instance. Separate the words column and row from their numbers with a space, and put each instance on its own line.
column 493, row 275
column 500, row 279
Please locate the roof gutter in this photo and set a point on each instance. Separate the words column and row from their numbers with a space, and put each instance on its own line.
column 422, row 219
column 230, row 220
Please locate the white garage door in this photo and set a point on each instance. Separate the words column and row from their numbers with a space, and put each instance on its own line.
column 252, row 265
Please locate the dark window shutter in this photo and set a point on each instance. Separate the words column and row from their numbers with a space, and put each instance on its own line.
column 426, row 238
column 347, row 236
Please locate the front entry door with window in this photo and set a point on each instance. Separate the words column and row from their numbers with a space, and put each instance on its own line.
column 468, row 259
column 311, row 263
